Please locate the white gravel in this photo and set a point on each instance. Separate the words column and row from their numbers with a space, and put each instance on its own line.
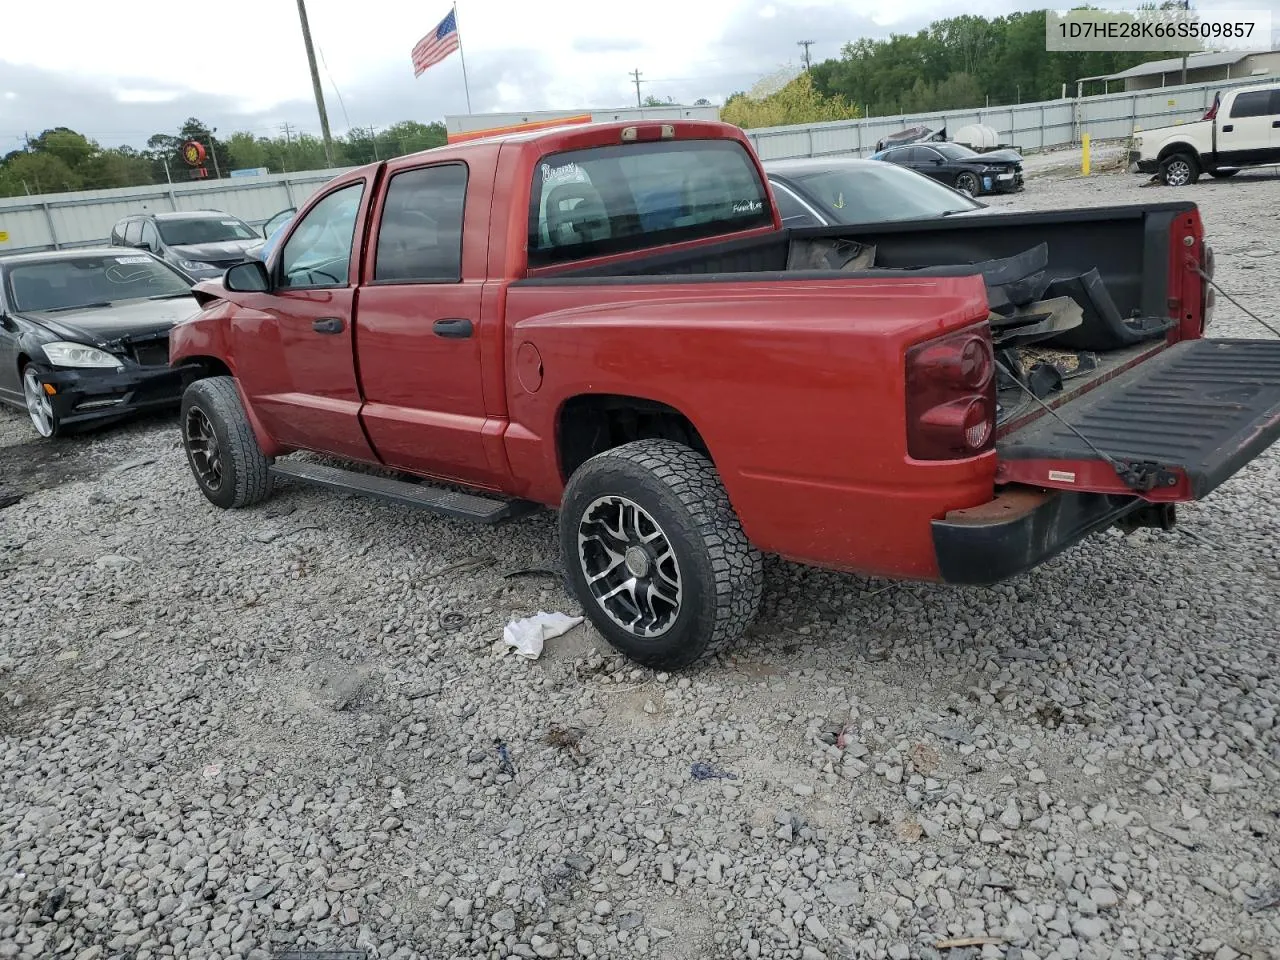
column 226, row 733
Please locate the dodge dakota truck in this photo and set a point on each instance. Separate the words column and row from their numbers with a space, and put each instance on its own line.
column 610, row 321
column 1241, row 129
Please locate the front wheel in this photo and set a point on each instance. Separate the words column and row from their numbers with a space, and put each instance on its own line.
column 223, row 453
column 967, row 183
column 1180, row 170
column 39, row 407
column 656, row 555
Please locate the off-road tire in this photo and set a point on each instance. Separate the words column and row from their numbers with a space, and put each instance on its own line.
column 245, row 470
column 721, row 573
column 1171, row 169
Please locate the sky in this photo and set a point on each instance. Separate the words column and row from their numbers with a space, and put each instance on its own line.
column 119, row 73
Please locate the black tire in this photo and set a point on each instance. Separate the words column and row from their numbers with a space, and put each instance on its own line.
column 242, row 476
column 968, row 183
column 1222, row 174
column 720, row 575
column 1179, row 170
column 45, row 421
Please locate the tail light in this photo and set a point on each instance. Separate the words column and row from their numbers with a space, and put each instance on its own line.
column 951, row 396
column 1208, row 296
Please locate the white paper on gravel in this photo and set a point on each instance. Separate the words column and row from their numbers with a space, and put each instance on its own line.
column 529, row 635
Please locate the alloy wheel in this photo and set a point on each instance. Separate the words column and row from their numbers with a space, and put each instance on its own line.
column 39, row 406
column 1177, row 173
column 202, row 444
column 630, row 566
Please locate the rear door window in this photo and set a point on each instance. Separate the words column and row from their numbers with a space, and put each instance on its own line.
column 420, row 236
column 605, row 200
column 1255, row 103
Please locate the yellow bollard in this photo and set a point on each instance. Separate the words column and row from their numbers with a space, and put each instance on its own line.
column 1084, row 157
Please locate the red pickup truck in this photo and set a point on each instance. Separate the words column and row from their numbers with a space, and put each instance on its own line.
column 611, row 321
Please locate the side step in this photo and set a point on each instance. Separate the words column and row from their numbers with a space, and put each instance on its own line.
column 463, row 506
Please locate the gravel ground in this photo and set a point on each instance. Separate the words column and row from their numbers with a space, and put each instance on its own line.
column 223, row 734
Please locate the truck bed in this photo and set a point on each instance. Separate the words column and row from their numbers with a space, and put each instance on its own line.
column 1128, row 245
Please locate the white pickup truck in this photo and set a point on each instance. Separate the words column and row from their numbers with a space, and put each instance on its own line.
column 1241, row 129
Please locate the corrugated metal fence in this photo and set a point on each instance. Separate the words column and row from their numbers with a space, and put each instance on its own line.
column 59, row 220
column 1028, row 126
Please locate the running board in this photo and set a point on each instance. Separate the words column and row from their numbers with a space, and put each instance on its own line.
column 461, row 506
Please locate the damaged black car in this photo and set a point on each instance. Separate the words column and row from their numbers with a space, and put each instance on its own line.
column 84, row 336
column 958, row 166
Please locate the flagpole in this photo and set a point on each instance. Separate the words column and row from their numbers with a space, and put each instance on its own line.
column 465, row 85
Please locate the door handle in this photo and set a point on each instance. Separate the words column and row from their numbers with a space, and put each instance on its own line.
column 1228, row 128
column 327, row 325
column 454, row 329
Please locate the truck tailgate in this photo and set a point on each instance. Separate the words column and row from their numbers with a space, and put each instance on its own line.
column 1175, row 427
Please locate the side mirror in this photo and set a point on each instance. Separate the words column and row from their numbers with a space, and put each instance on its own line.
column 248, row 277
column 141, row 245
column 8, row 323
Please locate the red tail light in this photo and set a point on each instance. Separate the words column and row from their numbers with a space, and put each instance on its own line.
column 951, row 396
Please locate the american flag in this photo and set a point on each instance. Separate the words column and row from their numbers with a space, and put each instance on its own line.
column 436, row 45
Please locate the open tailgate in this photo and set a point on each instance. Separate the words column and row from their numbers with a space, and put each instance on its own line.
column 1172, row 428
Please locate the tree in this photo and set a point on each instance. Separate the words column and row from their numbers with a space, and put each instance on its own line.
column 798, row 102
column 652, row 101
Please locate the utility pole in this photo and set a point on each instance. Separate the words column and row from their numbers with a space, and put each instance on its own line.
column 806, row 44
column 288, row 134
column 213, row 152
column 315, row 83
column 1186, row 6
column 636, row 74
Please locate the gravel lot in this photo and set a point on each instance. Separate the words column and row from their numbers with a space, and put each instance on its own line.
column 223, row 734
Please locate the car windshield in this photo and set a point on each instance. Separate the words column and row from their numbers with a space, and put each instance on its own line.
column 86, row 281
column 955, row 151
column 881, row 191
column 181, row 233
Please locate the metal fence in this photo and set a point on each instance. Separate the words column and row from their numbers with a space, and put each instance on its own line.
column 54, row 221
column 59, row 220
column 1030, row 127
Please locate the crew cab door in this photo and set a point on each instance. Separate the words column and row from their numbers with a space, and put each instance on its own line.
column 295, row 347
column 1246, row 134
column 421, row 334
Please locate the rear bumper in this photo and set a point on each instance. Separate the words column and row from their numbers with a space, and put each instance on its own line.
column 85, row 396
column 1018, row 530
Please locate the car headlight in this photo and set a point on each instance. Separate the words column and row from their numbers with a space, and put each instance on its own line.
column 195, row 265
column 62, row 354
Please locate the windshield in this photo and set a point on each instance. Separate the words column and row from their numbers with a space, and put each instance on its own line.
column 954, row 151
column 882, row 192
column 85, row 281
column 180, row 233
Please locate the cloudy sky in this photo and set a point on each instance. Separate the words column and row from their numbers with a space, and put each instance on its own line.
column 120, row 72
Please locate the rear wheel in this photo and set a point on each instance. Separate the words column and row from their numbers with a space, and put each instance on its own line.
column 656, row 555
column 1222, row 174
column 1179, row 170
column 223, row 453
column 39, row 407
column 967, row 183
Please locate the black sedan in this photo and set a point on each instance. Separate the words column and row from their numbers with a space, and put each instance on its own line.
column 999, row 171
column 84, row 335
column 846, row 190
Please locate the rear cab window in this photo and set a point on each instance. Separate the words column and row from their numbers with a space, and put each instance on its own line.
column 599, row 201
